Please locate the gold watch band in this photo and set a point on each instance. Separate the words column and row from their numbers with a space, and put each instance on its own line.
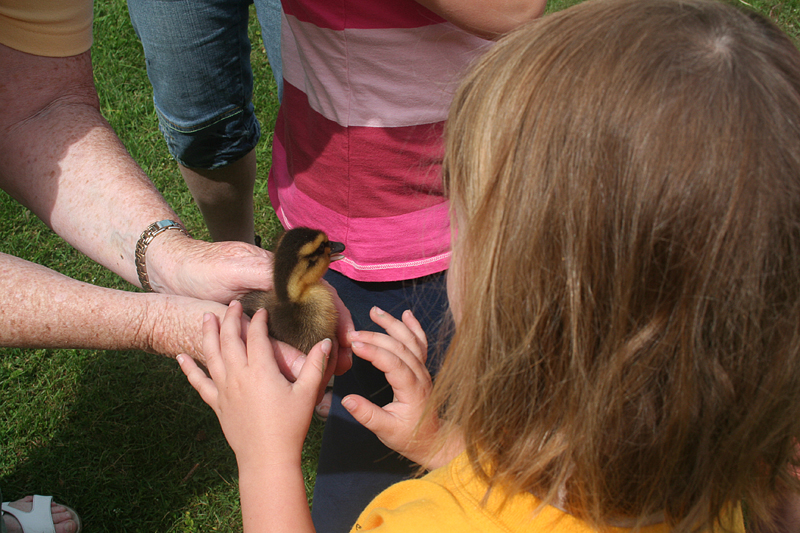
column 144, row 240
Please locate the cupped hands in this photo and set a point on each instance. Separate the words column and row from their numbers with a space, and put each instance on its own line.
column 264, row 415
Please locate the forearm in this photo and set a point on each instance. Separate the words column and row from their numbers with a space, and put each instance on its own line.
column 488, row 19
column 113, row 199
column 273, row 499
column 40, row 308
column 62, row 160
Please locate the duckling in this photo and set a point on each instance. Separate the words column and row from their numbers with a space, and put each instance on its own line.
column 300, row 308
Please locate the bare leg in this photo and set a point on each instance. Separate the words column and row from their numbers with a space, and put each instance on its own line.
column 225, row 198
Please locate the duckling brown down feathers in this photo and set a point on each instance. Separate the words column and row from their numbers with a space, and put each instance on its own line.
column 300, row 308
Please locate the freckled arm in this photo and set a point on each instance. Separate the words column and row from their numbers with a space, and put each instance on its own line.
column 61, row 159
column 40, row 308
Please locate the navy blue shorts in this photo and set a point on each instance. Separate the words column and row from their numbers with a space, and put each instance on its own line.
column 354, row 466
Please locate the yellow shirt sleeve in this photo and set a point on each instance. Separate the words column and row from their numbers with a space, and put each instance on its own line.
column 53, row 28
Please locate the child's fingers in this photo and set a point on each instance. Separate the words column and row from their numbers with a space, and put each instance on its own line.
column 259, row 347
column 416, row 328
column 314, row 368
column 412, row 338
column 198, row 379
column 271, row 355
column 362, row 340
column 232, row 346
column 409, row 382
column 211, row 350
column 369, row 415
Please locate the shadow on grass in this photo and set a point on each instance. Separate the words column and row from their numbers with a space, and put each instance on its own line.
column 135, row 449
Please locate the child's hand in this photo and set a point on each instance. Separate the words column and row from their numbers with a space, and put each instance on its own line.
column 401, row 355
column 264, row 416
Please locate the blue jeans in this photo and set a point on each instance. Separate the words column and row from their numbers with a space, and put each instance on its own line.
column 198, row 61
column 354, row 466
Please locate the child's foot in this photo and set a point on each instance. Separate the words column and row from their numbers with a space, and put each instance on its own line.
column 64, row 519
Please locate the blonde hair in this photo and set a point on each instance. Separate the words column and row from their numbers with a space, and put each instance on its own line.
column 625, row 178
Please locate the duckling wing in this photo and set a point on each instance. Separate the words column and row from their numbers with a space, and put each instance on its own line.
column 253, row 301
column 303, row 325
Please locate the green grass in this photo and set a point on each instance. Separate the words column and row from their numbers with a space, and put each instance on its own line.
column 121, row 436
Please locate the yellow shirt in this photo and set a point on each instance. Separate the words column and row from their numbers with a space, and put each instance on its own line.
column 450, row 499
column 53, row 28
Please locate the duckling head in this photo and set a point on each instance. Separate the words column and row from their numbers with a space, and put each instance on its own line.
column 302, row 257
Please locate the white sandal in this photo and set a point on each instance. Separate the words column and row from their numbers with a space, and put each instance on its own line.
column 39, row 519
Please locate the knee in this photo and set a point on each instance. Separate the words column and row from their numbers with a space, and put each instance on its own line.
column 214, row 143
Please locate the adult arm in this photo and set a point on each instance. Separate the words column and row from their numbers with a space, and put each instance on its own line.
column 61, row 159
column 489, row 19
column 40, row 308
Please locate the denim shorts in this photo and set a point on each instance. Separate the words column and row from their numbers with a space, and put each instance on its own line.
column 198, row 61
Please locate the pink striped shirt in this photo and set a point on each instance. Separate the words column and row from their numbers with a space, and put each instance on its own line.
column 358, row 140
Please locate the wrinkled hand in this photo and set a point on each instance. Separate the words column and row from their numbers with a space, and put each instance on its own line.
column 401, row 356
column 174, row 325
column 264, row 416
column 216, row 271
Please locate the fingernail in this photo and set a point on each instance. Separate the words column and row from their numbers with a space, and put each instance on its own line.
column 207, row 317
column 326, row 346
column 179, row 359
column 353, row 334
column 378, row 310
column 348, row 403
column 358, row 344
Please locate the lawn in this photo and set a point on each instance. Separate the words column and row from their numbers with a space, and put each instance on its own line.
column 121, row 436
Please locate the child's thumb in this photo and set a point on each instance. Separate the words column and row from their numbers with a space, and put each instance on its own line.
column 366, row 413
column 314, row 367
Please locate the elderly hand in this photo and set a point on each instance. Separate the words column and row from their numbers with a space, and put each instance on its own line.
column 217, row 271
column 223, row 272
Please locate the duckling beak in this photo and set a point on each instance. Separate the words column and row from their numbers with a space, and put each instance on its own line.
column 336, row 250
